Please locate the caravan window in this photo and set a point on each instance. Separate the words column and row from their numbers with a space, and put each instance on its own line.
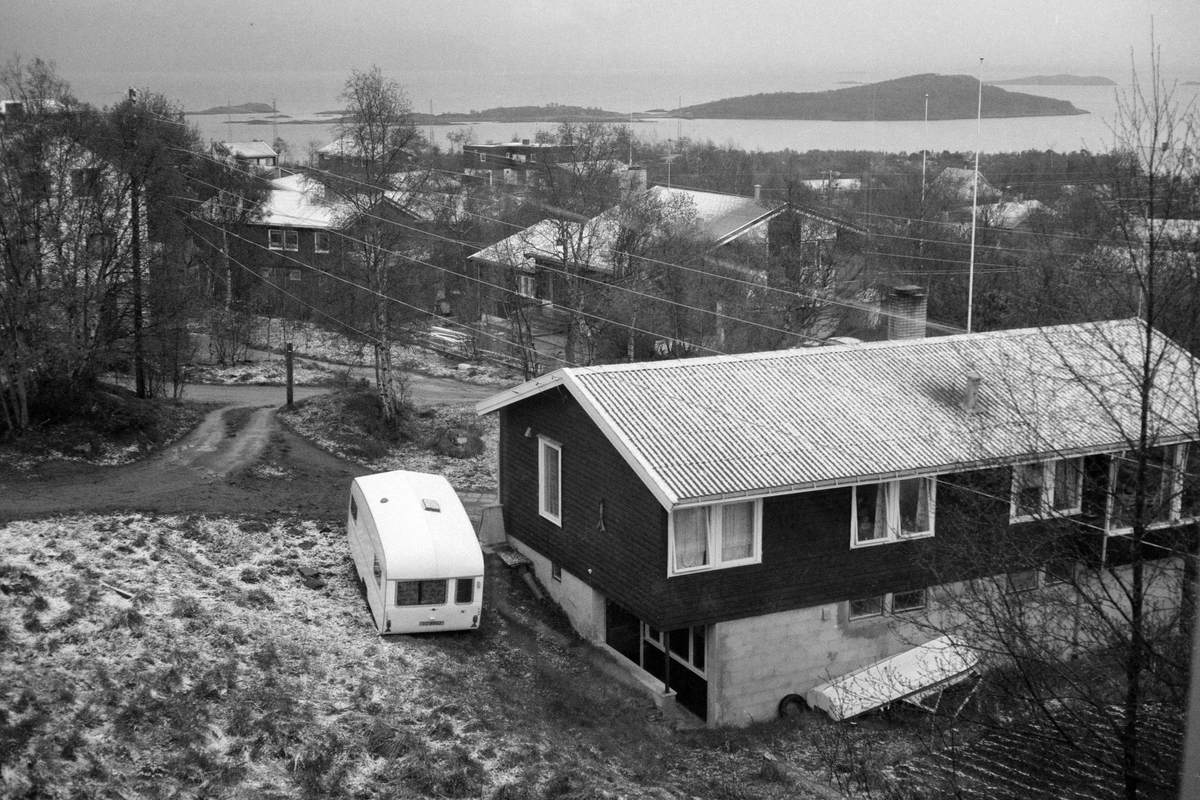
column 378, row 573
column 464, row 591
column 420, row 593
column 353, row 509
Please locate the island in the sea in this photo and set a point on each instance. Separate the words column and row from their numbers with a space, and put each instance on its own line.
column 244, row 108
column 1056, row 80
column 950, row 97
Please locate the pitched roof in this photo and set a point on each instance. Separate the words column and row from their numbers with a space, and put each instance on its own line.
column 721, row 218
column 255, row 149
column 703, row 429
column 294, row 201
column 299, row 201
column 959, row 184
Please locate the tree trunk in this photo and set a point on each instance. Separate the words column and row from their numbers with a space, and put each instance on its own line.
column 139, row 356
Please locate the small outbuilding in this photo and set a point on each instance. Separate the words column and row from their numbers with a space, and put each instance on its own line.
column 416, row 553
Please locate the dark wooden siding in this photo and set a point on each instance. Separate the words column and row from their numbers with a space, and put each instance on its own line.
column 806, row 555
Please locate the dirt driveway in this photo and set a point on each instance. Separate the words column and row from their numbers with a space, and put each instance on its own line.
column 233, row 463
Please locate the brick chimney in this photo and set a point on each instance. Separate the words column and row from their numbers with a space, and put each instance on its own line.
column 905, row 309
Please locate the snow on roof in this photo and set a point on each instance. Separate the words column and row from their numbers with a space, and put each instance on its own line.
column 722, row 218
column 1010, row 214
column 296, row 201
column 255, row 149
column 704, row 429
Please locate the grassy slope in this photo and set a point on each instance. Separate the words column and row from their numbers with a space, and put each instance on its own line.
column 225, row 676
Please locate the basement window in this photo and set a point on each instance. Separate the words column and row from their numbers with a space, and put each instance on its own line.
column 866, row 607
column 908, row 601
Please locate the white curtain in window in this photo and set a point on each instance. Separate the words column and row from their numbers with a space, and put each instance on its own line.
column 871, row 501
column 737, row 531
column 914, row 506
column 691, row 538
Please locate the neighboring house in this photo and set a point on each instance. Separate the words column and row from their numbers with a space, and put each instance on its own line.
column 257, row 153
column 301, row 240
column 510, row 162
column 738, row 529
column 599, row 246
column 833, row 185
column 1011, row 215
column 345, row 153
column 956, row 185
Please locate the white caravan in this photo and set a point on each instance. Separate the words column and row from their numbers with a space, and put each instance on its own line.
column 415, row 552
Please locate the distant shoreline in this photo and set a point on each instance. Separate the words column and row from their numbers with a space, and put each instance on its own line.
column 903, row 99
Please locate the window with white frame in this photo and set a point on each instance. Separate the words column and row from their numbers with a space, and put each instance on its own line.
column 1046, row 489
column 550, row 479
column 892, row 511
column 687, row 646
column 527, row 285
column 1170, row 488
column 908, row 601
column 321, row 241
column 283, row 239
column 893, row 603
column 715, row 536
column 865, row 607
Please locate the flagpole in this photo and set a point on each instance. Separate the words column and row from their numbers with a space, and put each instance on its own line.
column 924, row 153
column 975, row 200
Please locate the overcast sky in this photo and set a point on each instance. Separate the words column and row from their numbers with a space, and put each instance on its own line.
column 883, row 38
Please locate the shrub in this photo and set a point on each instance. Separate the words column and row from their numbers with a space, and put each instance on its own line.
column 186, row 607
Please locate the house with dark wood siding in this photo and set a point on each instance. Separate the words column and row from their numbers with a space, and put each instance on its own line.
column 300, row 249
column 738, row 529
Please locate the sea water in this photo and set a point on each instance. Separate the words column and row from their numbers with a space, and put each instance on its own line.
column 301, row 96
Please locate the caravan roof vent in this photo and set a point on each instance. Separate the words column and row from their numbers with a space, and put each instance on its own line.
column 430, row 505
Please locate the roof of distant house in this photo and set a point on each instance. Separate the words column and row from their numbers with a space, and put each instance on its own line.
column 295, row 201
column 721, row 219
column 347, row 147
column 1011, row 214
column 299, row 201
column 254, row 149
column 706, row 429
column 959, row 184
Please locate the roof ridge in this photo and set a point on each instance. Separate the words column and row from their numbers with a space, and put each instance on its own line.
column 803, row 352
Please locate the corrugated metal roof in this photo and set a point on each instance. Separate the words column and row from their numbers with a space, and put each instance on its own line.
column 706, row 428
